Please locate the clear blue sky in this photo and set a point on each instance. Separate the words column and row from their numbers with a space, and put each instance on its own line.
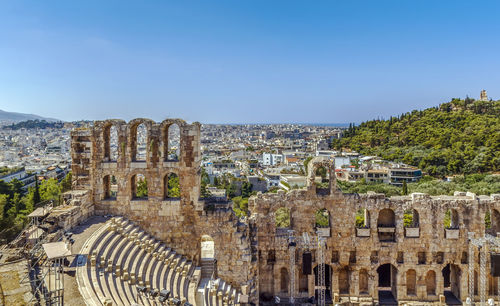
column 245, row 61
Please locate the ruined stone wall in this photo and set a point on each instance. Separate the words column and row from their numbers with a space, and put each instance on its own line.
column 254, row 255
column 179, row 222
column 347, row 253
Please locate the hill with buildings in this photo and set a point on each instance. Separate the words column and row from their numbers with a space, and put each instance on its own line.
column 35, row 124
column 12, row 117
column 457, row 137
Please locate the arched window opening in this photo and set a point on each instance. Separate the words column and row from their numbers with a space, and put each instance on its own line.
column 171, row 186
column 282, row 218
column 451, row 219
column 139, row 142
column 411, row 223
column 492, row 222
column 363, row 218
column 363, row 281
column 110, row 187
column 386, row 224
column 387, row 283
column 284, row 280
column 411, row 218
column 322, row 180
column 411, row 282
column 171, row 143
column 322, row 218
column 430, row 282
column 344, row 280
column 451, row 280
column 207, row 247
column 110, row 143
column 139, row 187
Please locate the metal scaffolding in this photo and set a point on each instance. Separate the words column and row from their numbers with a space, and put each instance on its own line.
column 306, row 243
column 483, row 245
column 321, row 272
column 291, row 251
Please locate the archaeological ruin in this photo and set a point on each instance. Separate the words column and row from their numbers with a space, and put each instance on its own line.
column 172, row 246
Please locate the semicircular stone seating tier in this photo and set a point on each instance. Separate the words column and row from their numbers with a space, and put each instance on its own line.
column 126, row 266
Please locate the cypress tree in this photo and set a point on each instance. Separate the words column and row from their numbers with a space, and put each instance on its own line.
column 36, row 196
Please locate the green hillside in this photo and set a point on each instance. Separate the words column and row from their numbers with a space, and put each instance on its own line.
column 461, row 136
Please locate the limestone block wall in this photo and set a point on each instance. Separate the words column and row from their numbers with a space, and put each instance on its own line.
column 179, row 222
column 424, row 256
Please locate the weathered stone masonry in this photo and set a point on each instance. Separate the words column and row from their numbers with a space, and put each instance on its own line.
column 252, row 254
column 418, row 255
column 179, row 222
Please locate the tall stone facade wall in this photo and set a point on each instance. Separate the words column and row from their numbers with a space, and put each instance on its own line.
column 252, row 254
column 354, row 260
column 179, row 222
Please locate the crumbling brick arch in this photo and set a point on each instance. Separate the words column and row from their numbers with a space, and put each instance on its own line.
column 132, row 181
column 322, row 218
column 165, row 127
column 171, row 185
column 386, row 224
column 132, row 138
column 411, row 218
column 107, row 182
column 110, row 130
column 451, row 218
column 362, row 217
column 315, row 164
column 386, row 218
column 494, row 222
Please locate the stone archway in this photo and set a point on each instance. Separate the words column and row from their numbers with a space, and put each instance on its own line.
column 387, row 284
column 451, row 276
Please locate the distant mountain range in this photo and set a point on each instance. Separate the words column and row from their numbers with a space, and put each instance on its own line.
column 11, row 117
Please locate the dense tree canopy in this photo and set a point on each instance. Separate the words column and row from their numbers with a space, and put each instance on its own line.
column 461, row 136
column 481, row 184
column 15, row 204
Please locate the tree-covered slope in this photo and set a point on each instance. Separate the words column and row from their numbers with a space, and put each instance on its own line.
column 461, row 136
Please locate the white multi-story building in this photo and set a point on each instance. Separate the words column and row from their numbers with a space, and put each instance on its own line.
column 269, row 159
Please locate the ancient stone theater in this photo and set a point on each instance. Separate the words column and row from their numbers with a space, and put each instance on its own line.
column 174, row 247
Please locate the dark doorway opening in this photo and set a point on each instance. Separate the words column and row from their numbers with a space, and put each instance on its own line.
column 451, row 276
column 328, row 282
column 387, row 284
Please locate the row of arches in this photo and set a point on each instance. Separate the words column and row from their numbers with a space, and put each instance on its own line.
column 283, row 218
column 140, row 142
column 411, row 282
column 387, row 219
column 139, row 187
column 387, row 280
